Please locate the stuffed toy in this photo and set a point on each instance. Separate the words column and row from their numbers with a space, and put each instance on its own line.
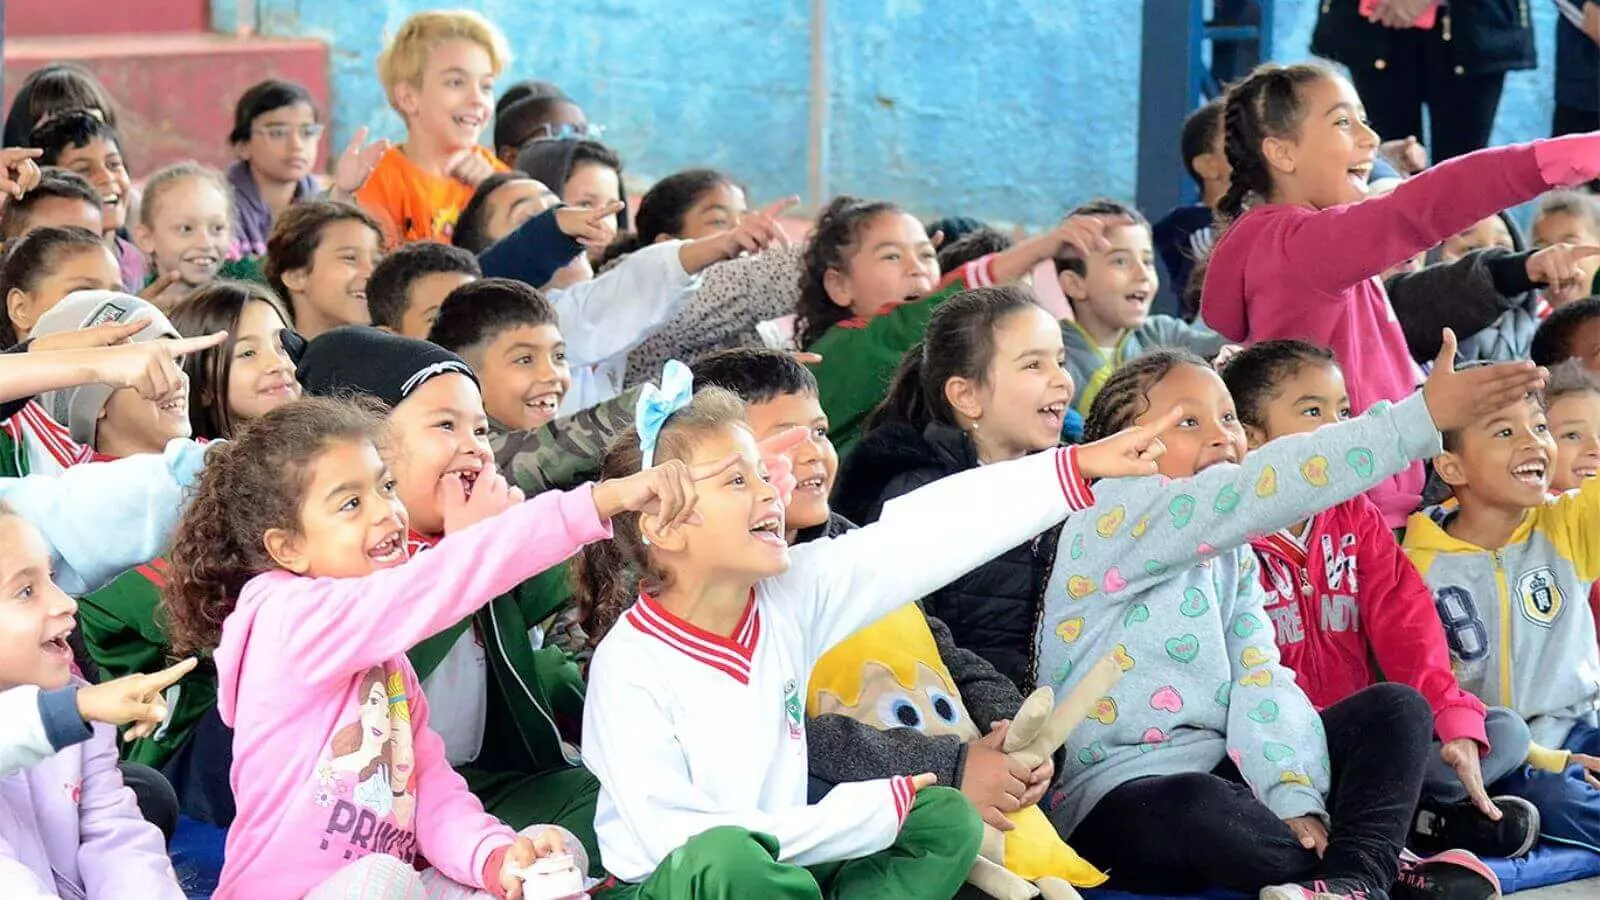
column 875, row 673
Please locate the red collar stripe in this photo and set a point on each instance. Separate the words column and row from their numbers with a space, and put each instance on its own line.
column 729, row 655
column 1078, row 494
column 1282, row 545
column 904, row 794
column 52, row 435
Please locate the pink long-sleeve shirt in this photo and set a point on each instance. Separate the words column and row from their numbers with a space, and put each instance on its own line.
column 333, row 758
column 1283, row 271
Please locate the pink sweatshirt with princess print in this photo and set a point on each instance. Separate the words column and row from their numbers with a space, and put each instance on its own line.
column 333, row 758
column 1284, row 271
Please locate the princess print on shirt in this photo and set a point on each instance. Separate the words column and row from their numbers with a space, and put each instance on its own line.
column 367, row 780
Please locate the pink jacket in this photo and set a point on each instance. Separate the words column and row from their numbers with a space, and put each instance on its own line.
column 333, row 758
column 69, row 828
column 1283, row 271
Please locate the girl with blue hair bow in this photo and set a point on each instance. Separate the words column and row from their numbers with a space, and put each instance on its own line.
column 694, row 718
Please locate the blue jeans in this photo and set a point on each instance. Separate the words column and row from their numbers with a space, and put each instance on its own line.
column 1569, row 809
column 1508, row 752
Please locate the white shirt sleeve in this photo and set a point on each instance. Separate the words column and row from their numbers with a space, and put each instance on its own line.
column 23, row 742
column 611, row 314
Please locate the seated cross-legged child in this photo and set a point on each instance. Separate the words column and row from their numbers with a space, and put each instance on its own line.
column 438, row 72
column 85, row 144
column 1511, row 568
column 320, row 256
column 311, row 595
column 1110, row 292
column 510, row 702
column 694, row 720
column 1207, row 734
column 408, row 286
column 61, row 198
column 1346, row 605
column 71, row 828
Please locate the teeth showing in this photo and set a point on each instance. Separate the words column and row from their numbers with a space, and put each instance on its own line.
column 772, row 524
column 810, row 484
column 179, row 405
column 110, row 199
column 389, row 549
column 1530, row 471
column 1055, row 409
column 1364, row 170
column 546, row 404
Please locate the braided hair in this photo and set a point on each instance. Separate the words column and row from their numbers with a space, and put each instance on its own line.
column 1255, row 375
column 1126, row 394
column 1265, row 104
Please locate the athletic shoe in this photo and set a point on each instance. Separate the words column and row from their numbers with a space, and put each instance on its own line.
column 1324, row 889
column 1451, row 875
column 1461, row 826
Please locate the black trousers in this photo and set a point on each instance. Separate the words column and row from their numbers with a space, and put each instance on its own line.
column 157, row 800
column 1181, row 834
column 1419, row 72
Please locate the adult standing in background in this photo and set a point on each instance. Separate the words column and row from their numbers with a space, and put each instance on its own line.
column 1450, row 55
column 1577, row 67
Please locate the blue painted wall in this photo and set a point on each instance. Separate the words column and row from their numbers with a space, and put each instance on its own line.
column 1006, row 109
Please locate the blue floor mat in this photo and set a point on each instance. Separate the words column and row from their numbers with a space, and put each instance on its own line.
column 196, row 853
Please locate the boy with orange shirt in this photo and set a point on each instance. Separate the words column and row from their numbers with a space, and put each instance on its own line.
column 439, row 73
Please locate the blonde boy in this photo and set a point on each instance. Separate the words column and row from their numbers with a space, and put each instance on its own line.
column 438, row 72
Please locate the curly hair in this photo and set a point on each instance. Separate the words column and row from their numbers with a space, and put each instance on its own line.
column 250, row 486
column 833, row 241
column 608, row 575
column 1126, row 394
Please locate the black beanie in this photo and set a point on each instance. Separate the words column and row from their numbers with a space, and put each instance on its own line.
column 360, row 359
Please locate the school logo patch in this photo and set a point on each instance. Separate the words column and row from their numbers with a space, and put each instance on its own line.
column 793, row 709
column 1540, row 595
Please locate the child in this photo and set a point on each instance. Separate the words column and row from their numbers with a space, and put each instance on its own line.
column 49, row 93
column 1573, row 331
column 686, row 205
column 1300, row 157
column 694, row 716
column 1164, row 581
column 502, row 201
column 582, row 173
column 504, row 696
column 1572, row 410
column 120, row 422
column 869, row 282
column 987, row 384
column 780, row 395
column 1571, row 217
column 408, row 286
column 186, row 228
column 1345, row 605
column 319, row 258
column 83, row 143
column 1184, row 237
column 438, row 72
column 344, row 761
column 45, row 266
column 276, row 129
column 60, row 199
column 1511, row 569
column 523, row 117
column 1110, row 293
column 508, row 333
column 71, row 827
column 251, row 373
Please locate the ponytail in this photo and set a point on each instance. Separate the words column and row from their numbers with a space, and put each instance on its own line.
column 1265, row 104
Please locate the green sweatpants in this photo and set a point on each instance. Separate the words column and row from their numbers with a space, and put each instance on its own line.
column 564, row 797
column 929, row 861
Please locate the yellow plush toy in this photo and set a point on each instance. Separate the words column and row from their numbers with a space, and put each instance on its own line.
column 890, row 675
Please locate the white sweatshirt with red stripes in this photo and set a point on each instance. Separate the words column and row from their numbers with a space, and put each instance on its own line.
column 688, row 730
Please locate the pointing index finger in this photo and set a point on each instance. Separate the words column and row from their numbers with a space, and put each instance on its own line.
column 779, row 207
column 181, row 346
column 600, row 212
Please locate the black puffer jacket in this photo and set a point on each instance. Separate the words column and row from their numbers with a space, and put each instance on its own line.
column 1483, row 37
column 992, row 611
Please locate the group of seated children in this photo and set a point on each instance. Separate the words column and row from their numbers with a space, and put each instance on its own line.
column 446, row 528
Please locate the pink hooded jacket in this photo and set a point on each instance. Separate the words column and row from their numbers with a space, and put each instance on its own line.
column 1283, row 271
column 333, row 756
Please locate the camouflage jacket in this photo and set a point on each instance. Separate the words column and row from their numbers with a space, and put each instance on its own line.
column 566, row 452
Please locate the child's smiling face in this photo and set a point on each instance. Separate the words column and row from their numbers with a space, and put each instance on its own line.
column 1115, row 293
column 190, row 231
column 892, row 262
column 351, row 522
column 1504, row 460
column 815, row 461
column 1209, row 431
column 35, row 615
column 100, row 161
column 438, row 430
column 1329, row 159
column 525, row 376
column 1575, row 424
column 455, row 98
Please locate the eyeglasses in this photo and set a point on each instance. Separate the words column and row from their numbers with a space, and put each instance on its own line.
column 552, row 131
column 280, row 133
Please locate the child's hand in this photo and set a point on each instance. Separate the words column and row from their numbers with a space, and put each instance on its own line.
column 1457, row 399
column 19, row 173
column 665, row 493
column 155, row 289
column 356, row 163
column 150, row 369
column 1407, row 155
column 760, row 230
column 491, row 495
column 470, row 169
column 1310, row 832
column 1591, row 765
column 132, row 698
column 775, row 455
column 521, row 854
column 1087, row 234
column 1461, row 755
column 1559, row 268
column 925, row 780
column 89, row 338
column 1131, row 451
column 993, row 781
column 592, row 228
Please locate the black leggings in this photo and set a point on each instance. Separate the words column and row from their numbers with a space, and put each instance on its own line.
column 1179, row 834
column 157, row 801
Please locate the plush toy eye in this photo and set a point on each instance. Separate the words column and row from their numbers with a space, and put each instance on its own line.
column 897, row 711
column 944, row 707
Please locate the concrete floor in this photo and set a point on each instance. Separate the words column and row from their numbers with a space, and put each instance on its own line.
column 1588, row 889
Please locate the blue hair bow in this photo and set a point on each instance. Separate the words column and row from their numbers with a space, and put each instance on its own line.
column 657, row 404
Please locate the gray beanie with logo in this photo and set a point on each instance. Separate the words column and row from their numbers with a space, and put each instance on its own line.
column 79, row 407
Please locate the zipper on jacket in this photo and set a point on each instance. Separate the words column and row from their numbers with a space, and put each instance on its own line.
column 1446, row 26
column 1505, row 630
column 571, row 754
